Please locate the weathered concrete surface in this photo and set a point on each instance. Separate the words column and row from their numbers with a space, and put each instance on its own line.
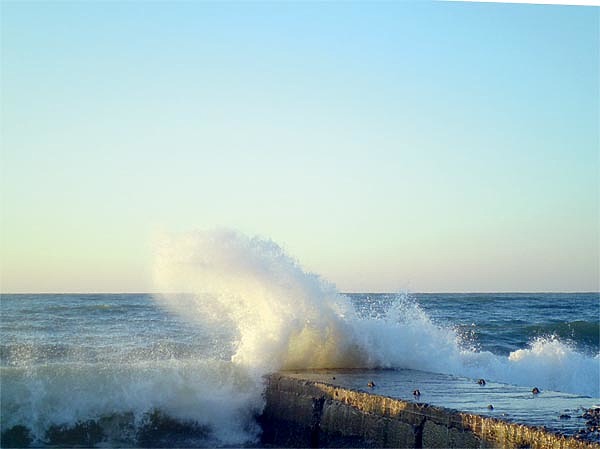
column 307, row 413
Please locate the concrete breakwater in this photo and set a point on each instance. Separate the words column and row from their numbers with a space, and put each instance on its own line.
column 303, row 412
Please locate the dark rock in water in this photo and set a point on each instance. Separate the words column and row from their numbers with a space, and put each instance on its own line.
column 16, row 436
column 592, row 417
column 490, row 407
column 83, row 433
column 371, row 384
column 564, row 416
column 481, row 382
column 591, row 432
column 592, row 413
column 535, row 390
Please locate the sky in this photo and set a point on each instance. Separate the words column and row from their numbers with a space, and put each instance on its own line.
column 388, row 146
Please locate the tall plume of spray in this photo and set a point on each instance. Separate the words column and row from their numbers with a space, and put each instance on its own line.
column 283, row 316
column 286, row 318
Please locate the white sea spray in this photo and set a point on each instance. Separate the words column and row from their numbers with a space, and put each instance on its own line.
column 268, row 314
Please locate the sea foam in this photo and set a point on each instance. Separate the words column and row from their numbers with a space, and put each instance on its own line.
column 122, row 397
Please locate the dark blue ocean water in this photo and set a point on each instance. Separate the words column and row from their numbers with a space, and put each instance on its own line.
column 111, row 368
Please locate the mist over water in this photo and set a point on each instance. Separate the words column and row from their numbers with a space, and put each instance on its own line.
column 190, row 363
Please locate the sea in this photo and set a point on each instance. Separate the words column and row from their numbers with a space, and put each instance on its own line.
column 186, row 369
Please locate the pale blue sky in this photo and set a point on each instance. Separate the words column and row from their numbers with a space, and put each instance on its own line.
column 387, row 146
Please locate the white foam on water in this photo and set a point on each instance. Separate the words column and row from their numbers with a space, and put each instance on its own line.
column 210, row 392
column 547, row 363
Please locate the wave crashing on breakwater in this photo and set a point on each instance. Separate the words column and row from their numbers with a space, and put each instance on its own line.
column 269, row 314
column 286, row 318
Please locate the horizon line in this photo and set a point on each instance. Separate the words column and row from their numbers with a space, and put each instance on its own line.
column 341, row 292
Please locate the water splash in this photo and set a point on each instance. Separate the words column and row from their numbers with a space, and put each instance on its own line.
column 284, row 317
column 258, row 312
column 287, row 318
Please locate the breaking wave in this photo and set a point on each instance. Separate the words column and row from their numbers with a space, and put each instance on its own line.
column 269, row 314
column 287, row 318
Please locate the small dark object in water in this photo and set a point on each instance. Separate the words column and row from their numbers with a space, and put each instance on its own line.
column 564, row 416
column 481, row 382
column 535, row 390
column 371, row 384
column 416, row 393
column 333, row 377
column 592, row 417
column 490, row 407
column 592, row 425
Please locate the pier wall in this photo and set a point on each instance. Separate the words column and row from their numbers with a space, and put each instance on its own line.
column 304, row 413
